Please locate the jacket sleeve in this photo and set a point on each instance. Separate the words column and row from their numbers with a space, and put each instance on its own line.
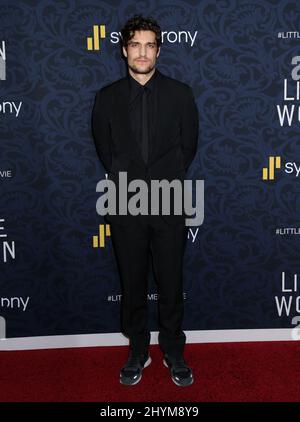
column 101, row 131
column 189, row 129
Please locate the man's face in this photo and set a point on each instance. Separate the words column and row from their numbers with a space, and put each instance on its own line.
column 142, row 52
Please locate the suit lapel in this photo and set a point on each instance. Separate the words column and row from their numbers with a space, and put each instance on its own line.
column 155, row 141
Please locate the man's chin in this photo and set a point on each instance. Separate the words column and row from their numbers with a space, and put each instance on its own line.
column 141, row 70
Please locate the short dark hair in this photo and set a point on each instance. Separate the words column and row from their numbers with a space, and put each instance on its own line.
column 140, row 23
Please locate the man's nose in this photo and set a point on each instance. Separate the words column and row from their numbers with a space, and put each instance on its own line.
column 143, row 51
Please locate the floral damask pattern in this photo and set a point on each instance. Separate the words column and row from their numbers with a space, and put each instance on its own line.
column 236, row 68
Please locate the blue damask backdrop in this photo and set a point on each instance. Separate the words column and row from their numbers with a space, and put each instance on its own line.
column 236, row 68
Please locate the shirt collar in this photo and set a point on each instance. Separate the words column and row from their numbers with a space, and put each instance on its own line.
column 136, row 87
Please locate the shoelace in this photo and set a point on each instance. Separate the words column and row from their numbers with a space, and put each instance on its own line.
column 179, row 365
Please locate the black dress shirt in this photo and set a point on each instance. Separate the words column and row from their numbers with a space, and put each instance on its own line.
column 142, row 112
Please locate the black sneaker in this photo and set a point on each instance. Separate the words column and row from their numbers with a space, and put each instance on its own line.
column 131, row 373
column 181, row 374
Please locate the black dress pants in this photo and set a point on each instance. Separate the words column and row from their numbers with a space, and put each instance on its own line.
column 132, row 245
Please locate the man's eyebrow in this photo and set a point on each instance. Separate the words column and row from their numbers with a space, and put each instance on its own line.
column 137, row 42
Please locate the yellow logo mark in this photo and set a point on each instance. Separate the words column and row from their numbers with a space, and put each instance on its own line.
column 98, row 241
column 268, row 173
column 98, row 32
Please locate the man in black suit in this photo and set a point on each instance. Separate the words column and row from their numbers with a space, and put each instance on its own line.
column 146, row 124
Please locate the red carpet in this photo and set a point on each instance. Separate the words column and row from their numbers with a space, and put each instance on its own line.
column 223, row 372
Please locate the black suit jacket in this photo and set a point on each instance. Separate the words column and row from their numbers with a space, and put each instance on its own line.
column 172, row 148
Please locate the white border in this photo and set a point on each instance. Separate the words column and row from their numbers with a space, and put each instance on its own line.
column 117, row 339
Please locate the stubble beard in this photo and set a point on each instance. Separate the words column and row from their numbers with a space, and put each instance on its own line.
column 140, row 71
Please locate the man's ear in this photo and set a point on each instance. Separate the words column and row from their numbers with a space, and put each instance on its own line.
column 124, row 51
column 158, row 52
